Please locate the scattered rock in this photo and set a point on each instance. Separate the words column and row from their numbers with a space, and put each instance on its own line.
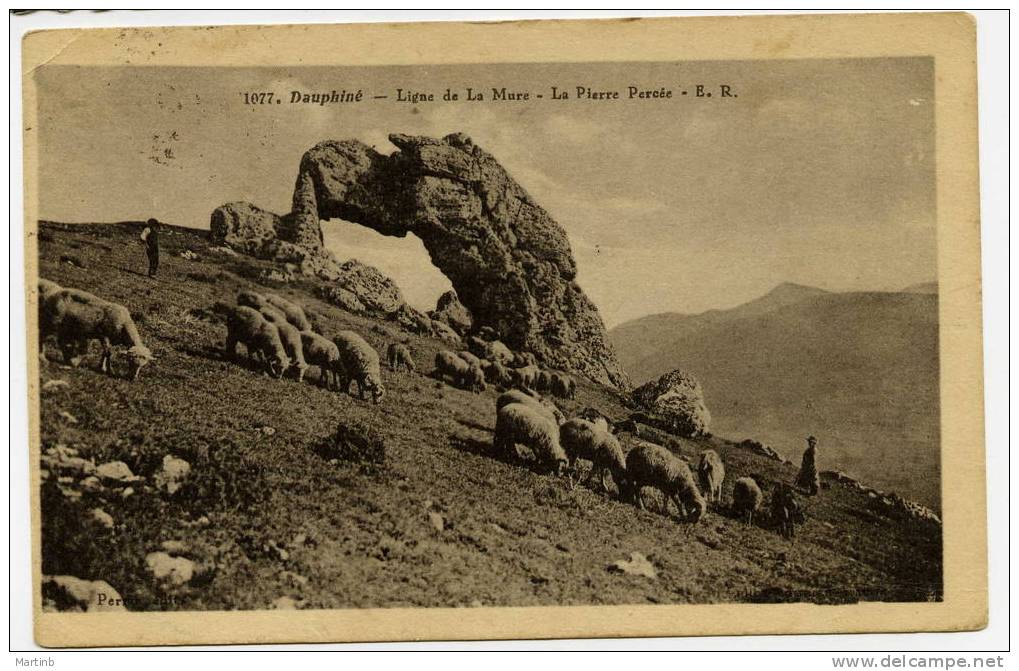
column 476, row 604
column 285, row 603
column 277, row 552
column 223, row 250
column 50, row 385
column 173, row 474
column 68, row 593
column 437, row 521
column 174, row 570
column 343, row 299
column 451, row 312
column 174, row 547
column 102, row 517
column 67, row 417
column 760, row 448
column 116, row 472
column 91, row 484
column 267, row 430
column 128, row 492
column 189, row 255
column 65, row 459
column 638, row 564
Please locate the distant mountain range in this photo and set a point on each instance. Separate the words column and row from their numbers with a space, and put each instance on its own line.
column 859, row 370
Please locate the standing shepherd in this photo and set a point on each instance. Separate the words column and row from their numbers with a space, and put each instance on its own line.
column 808, row 479
column 150, row 236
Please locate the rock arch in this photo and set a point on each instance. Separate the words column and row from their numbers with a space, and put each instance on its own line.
column 508, row 260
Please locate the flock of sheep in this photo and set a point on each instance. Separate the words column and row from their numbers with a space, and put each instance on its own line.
column 525, row 419
column 279, row 337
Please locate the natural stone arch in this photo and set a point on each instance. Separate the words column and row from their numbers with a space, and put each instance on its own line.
column 508, row 260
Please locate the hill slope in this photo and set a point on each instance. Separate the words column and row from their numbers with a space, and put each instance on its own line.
column 859, row 370
column 268, row 517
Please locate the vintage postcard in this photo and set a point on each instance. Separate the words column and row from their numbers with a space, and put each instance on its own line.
column 504, row 330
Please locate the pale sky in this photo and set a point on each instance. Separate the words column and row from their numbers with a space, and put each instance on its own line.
column 820, row 172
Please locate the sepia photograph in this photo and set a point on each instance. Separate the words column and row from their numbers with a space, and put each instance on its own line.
column 502, row 336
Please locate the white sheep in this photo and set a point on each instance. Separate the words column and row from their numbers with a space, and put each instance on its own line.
column 449, row 364
column 562, row 385
column 251, row 299
column 469, row 358
column 521, row 359
column 746, row 498
column 711, row 473
column 526, row 376
column 474, row 380
column 522, row 424
column 290, row 337
column 649, row 465
column 498, row 374
column 76, row 317
column 247, row 326
column 543, row 381
column 359, row 362
column 46, row 288
column 544, row 405
column 582, row 439
column 398, row 355
column 294, row 312
column 322, row 352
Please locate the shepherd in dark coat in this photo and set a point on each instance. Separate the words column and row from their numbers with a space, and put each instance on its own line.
column 808, row 479
column 150, row 236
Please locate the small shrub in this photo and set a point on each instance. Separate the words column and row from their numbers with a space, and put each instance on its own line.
column 355, row 442
column 227, row 480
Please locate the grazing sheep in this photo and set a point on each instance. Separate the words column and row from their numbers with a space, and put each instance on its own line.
column 290, row 337
column 582, row 439
column 596, row 417
column 259, row 335
column 543, row 381
column 498, row 374
column 294, row 312
column 562, row 385
column 322, row 352
column 46, row 288
column 711, row 473
column 517, row 396
column 649, row 465
column 497, row 351
column 359, row 362
column 251, row 299
column 746, row 498
column 475, row 378
column 519, row 423
column 76, row 317
column 397, row 355
column 521, row 359
column 449, row 364
column 785, row 511
column 526, row 376
column 469, row 358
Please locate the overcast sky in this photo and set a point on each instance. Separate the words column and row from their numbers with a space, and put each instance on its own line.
column 820, row 172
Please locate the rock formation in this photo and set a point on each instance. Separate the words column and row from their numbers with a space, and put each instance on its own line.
column 508, row 260
column 450, row 311
column 676, row 404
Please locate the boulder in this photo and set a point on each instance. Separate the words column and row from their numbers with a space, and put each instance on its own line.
column 450, row 311
column 68, row 593
column 675, row 403
column 373, row 289
column 342, row 298
column 508, row 260
column 173, row 474
column 244, row 227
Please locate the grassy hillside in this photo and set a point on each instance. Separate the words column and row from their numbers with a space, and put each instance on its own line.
column 859, row 370
column 442, row 523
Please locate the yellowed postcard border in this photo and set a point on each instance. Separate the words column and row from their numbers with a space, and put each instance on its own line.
column 950, row 38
